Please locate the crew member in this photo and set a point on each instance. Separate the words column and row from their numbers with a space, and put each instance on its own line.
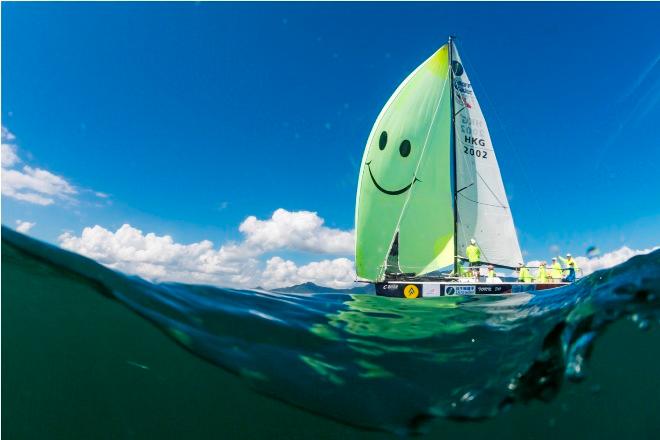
column 523, row 274
column 555, row 271
column 491, row 271
column 473, row 253
column 571, row 264
column 492, row 276
column 541, row 275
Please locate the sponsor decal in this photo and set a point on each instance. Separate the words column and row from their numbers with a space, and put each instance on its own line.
column 463, row 87
column 457, row 68
column 458, row 290
column 411, row 291
column 430, row 290
column 503, row 288
column 464, row 100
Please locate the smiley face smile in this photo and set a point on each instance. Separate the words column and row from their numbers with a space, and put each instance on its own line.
column 388, row 192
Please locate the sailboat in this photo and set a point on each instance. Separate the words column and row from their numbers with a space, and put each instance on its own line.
column 430, row 183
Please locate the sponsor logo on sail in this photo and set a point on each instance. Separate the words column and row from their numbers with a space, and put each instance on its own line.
column 463, row 87
column 457, row 68
column 464, row 100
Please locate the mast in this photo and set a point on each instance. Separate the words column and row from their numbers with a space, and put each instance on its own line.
column 453, row 148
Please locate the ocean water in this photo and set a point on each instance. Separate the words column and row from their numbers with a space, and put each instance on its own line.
column 91, row 353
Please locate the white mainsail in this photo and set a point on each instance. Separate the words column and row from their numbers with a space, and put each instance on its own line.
column 482, row 205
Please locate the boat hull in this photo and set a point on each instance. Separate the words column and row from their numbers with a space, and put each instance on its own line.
column 431, row 289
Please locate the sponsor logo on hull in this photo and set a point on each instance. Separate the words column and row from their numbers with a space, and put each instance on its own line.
column 459, row 290
column 429, row 290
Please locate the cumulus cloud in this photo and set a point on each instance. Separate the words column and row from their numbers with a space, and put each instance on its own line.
column 605, row 261
column 28, row 184
column 610, row 259
column 300, row 230
column 24, row 227
column 9, row 156
column 337, row 273
column 160, row 258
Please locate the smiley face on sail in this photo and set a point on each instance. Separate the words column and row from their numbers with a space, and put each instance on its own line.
column 404, row 151
column 404, row 183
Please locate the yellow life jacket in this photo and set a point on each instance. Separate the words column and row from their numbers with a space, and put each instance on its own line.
column 473, row 253
column 556, row 271
column 524, row 275
column 542, row 276
column 570, row 262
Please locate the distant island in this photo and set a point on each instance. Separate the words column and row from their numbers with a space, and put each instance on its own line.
column 315, row 288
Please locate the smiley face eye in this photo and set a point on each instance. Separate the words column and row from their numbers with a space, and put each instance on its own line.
column 404, row 148
column 382, row 142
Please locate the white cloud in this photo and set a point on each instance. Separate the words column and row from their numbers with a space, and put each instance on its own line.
column 7, row 135
column 9, row 156
column 160, row 258
column 299, row 230
column 32, row 185
column 24, row 227
column 337, row 273
column 610, row 259
column 605, row 261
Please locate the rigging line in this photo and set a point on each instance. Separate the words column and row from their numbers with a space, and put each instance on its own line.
column 464, row 231
column 506, row 135
column 467, row 163
column 482, row 203
column 461, row 225
column 490, row 189
column 421, row 156
column 465, row 187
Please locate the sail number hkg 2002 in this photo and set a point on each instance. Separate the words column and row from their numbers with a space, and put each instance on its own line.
column 474, row 141
column 472, row 152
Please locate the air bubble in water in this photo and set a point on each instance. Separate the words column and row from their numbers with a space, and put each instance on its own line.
column 467, row 397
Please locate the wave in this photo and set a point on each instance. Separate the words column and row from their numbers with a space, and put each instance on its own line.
column 367, row 361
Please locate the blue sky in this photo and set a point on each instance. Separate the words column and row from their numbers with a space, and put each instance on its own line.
column 191, row 117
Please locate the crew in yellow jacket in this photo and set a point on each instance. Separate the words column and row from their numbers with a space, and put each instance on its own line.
column 569, row 261
column 541, row 275
column 555, row 271
column 473, row 253
column 523, row 274
column 491, row 272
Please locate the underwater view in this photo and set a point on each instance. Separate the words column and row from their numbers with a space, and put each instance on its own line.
column 330, row 220
column 91, row 352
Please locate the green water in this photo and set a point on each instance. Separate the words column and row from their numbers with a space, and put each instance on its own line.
column 79, row 365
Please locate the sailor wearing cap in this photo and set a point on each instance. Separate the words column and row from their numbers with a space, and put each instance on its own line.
column 571, row 266
column 473, row 253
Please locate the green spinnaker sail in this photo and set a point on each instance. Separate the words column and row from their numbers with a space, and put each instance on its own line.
column 405, row 182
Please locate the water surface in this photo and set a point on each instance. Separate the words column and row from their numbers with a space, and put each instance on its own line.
column 91, row 352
